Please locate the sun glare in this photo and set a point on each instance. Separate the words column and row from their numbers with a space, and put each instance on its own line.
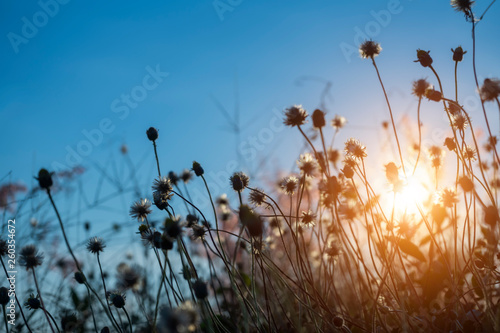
column 413, row 193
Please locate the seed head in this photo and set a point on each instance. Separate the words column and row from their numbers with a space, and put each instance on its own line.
column 420, row 87
column 44, row 179
column 369, row 49
column 30, row 257
column 80, row 277
column 289, row 184
column 117, row 299
column 433, row 95
column 257, row 197
column 490, row 90
column 338, row 122
column 295, row 116
column 4, row 296
column 308, row 218
column 464, row 6
column 200, row 289
column 458, row 54
column 174, row 178
column 152, row 134
column 198, row 170
column 186, row 176
column 33, row 303
column 424, row 58
column 307, row 165
column 251, row 220
column 318, row 118
column 239, row 181
column 95, row 245
column 140, row 209
column 354, row 148
column 4, row 247
column 450, row 143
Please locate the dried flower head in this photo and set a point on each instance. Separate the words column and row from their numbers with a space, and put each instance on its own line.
column 163, row 185
column 95, row 245
column 338, row 122
column 183, row 319
column 116, row 299
column 186, row 176
column 458, row 54
column 490, row 90
column 29, row 257
column 289, row 184
column 295, row 116
column 152, row 133
column 197, row 169
column 257, row 197
column 33, row 303
column 239, row 181
column 200, row 289
column 433, row 95
column 424, row 58
column 459, row 121
column 44, row 179
column 251, row 220
column 140, row 209
column 198, row 232
column 307, row 165
column 354, row 148
column 318, row 119
column 128, row 277
column 333, row 250
column 464, row 6
column 469, row 153
column 369, row 49
column 308, row 218
column 450, row 143
column 4, row 296
column 420, row 87
column 466, row 183
column 448, row 197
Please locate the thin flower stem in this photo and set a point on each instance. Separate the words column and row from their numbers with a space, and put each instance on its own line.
column 156, row 157
column 106, row 295
column 5, row 319
column 128, row 318
column 62, row 229
column 41, row 300
column 392, row 118
column 419, row 135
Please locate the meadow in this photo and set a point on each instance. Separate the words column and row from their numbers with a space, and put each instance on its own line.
column 325, row 248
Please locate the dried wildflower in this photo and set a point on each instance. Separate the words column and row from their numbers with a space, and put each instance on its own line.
column 151, row 237
column 33, row 303
column 80, row 277
column 186, row 176
column 466, row 183
column 469, row 153
column 289, row 184
column 490, row 90
column 338, row 321
column 198, row 232
column 406, row 226
column 392, row 172
column 197, row 169
column 420, row 87
column 166, row 242
column 464, row 6
column 333, row 156
column 95, row 245
column 450, row 144
column 257, row 197
column 491, row 144
column 438, row 213
column 458, row 54
column 251, row 220
column 116, row 299
column 174, row 178
column 338, row 122
column 172, row 227
column 29, row 257
column 369, row 49
column 183, row 319
column 191, row 219
column 200, row 289
column 44, row 179
column 348, row 171
column 448, row 197
column 454, row 108
column 140, row 209
column 128, row 277
column 239, row 181
column 307, row 165
column 459, row 121
column 424, row 58
column 318, row 118
column 160, row 200
column 308, row 218
column 491, row 216
column 354, row 148
column 295, row 116
column 4, row 247
column 163, row 185
column 152, row 134
column 333, row 250
column 69, row 321
column 433, row 95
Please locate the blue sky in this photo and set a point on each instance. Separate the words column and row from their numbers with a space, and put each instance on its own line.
column 63, row 79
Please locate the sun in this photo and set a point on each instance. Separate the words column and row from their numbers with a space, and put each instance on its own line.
column 412, row 195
